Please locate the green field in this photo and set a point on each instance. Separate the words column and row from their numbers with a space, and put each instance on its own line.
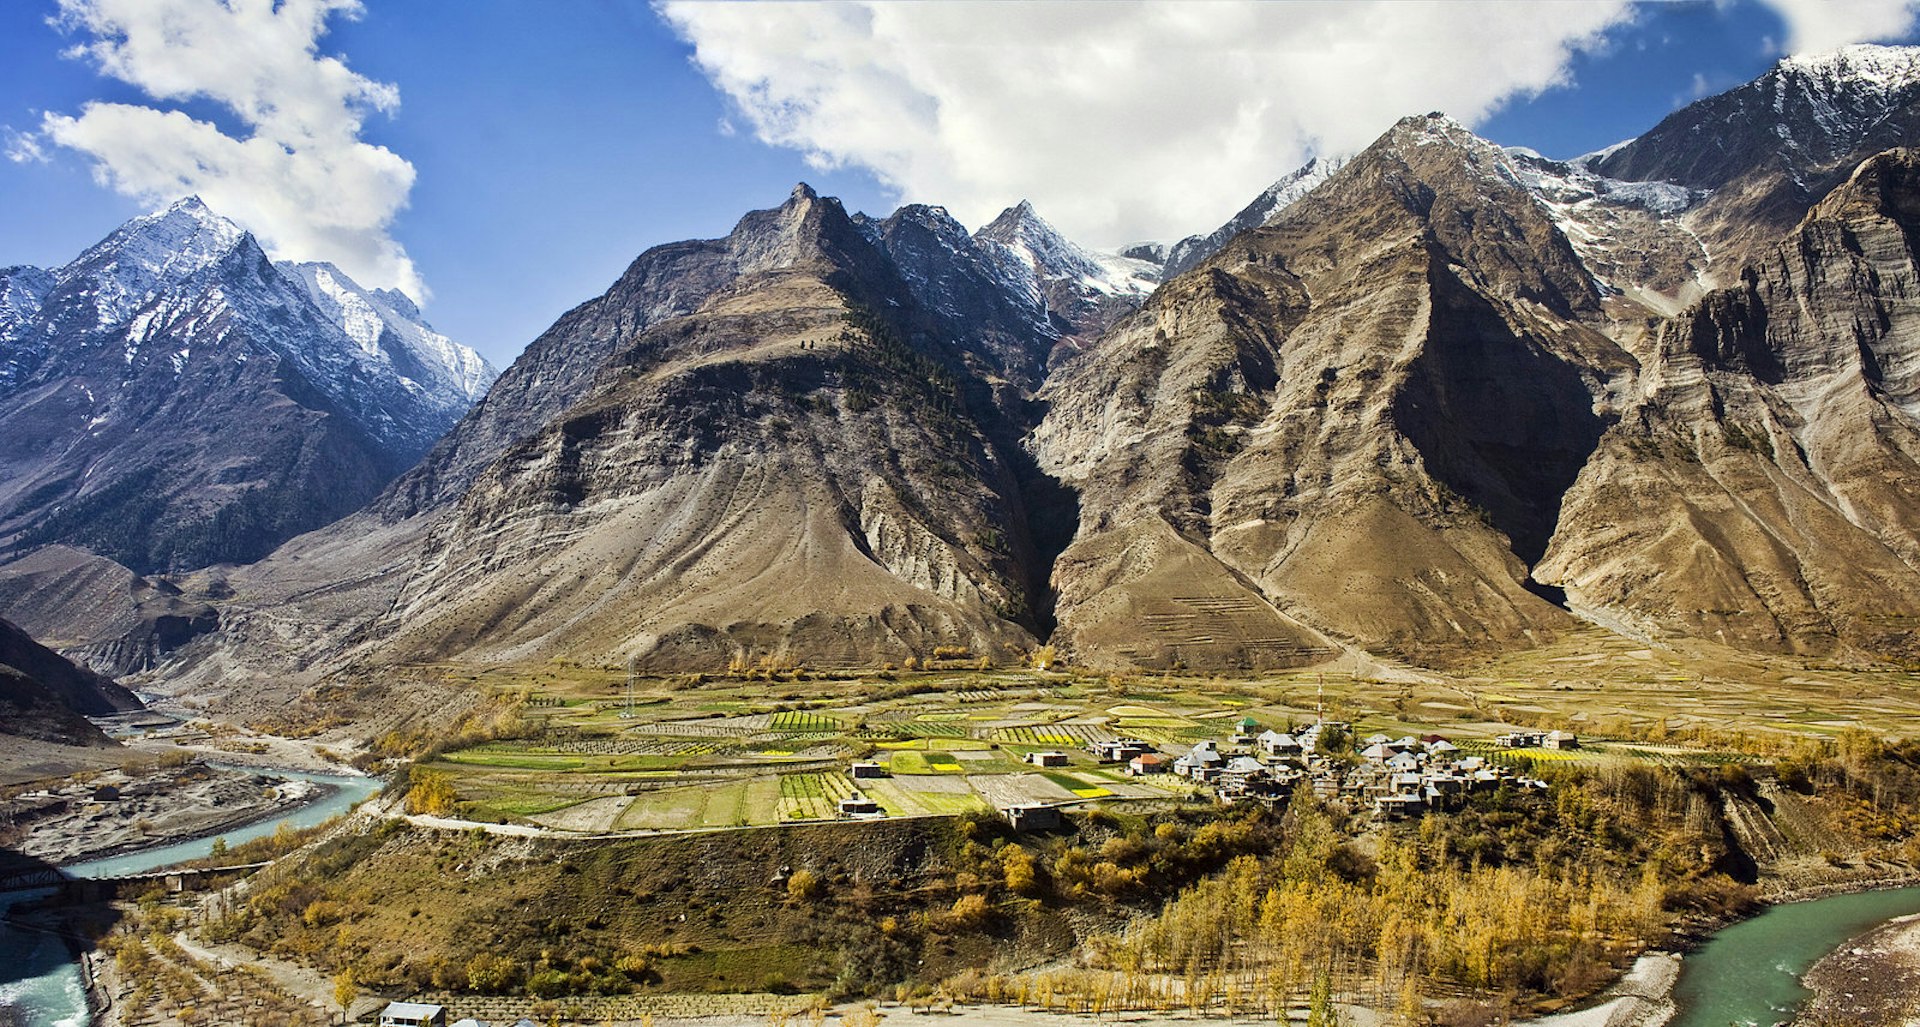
column 750, row 752
column 813, row 796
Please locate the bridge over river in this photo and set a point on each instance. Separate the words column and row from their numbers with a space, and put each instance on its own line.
column 100, row 889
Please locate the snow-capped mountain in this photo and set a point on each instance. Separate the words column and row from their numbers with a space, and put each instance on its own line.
column 388, row 328
column 1015, row 287
column 1804, row 115
column 174, row 398
column 1029, row 238
column 1277, row 197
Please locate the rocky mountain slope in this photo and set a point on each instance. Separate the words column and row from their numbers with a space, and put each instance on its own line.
column 1388, row 417
column 1347, row 425
column 797, row 442
column 174, row 399
column 803, row 467
column 46, row 698
column 1758, row 490
column 1441, row 398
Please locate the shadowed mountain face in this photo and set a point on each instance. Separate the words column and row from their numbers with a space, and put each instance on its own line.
column 805, row 467
column 1352, row 424
column 46, row 698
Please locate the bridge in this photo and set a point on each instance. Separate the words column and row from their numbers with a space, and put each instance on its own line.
column 101, row 889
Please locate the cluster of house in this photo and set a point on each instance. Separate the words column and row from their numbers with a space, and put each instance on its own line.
column 1395, row 777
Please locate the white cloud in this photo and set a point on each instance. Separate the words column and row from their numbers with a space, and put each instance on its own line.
column 1120, row 121
column 301, row 180
column 21, row 148
column 1814, row 26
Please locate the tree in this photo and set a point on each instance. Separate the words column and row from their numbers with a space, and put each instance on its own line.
column 432, row 792
column 345, row 990
column 1022, row 878
column 1321, row 1011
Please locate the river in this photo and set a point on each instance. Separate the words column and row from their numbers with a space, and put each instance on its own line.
column 1746, row 974
column 1749, row 974
column 42, row 983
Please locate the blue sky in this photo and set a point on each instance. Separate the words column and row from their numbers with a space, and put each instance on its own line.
column 535, row 148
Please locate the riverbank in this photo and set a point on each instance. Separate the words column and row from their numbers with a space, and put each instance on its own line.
column 1873, row 979
column 118, row 813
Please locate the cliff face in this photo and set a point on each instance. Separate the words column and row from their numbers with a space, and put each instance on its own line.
column 806, row 466
column 1758, row 490
column 1357, row 418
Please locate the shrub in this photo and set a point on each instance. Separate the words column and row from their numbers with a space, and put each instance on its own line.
column 805, row 886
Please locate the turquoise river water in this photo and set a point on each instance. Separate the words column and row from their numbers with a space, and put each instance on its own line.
column 41, row 983
column 1747, row 975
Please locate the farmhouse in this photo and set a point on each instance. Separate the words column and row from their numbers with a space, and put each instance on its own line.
column 413, row 1014
column 1202, row 762
column 867, row 769
column 860, row 806
column 1119, row 750
column 1273, row 743
column 1047, row 759
column 1562, row 740
column 1146, row 763
column 1032, row 817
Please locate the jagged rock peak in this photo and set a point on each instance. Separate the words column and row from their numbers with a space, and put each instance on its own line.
column 151, row 252
column 386, row 322
column 1022, row 234
column 799, row 231
column 935, row 219
column 1437, row 128
column 1865, row 64
column 1019, row 221
column 1805, row 115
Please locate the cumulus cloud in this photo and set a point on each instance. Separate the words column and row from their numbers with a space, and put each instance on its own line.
column 1817, row 25
column 300, row 179
column 1120, row 121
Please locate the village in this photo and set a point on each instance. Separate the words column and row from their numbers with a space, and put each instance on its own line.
column 1027, row 746
column 1392, row 778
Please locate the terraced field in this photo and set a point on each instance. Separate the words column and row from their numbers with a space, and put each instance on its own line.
column 813, row 796
column 764, row 752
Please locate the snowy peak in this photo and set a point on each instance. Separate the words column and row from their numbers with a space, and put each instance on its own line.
column 1026, row 237
column 1272, row 201
column 1886, row 69
column 150, row 254
column 1806, row 116
column 386, row 326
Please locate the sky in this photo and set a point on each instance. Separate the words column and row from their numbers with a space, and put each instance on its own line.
column 504, row 160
